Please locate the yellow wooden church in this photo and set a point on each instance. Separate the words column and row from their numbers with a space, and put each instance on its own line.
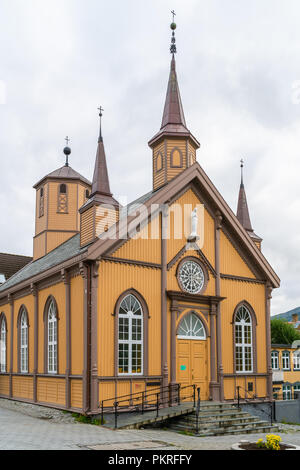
column 171, row 289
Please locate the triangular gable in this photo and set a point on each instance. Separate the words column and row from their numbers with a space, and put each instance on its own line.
column 196, row 175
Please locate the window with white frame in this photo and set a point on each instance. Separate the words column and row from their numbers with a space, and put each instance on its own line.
column 3, row 346
column 243, row 340
column 286, row 392
column 191, row 327
column 297, row 388
column 286, row 360
column 274, row 360
column 296, row 360
column 130, row 341
column 52, row 338
column 23, row 342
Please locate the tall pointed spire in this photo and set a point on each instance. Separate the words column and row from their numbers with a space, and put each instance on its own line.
column 173, row 110
column 101, row 210
column 173, row 120
column 100, row 185
column 242, row 209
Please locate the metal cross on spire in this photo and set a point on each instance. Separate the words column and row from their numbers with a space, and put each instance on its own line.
column 100, row 109
column 173, row 40
column 67, row 151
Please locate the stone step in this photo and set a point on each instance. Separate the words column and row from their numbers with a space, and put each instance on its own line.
column 216, row 415
column 232, row 423
column 258, row 427
column 216, row 406
column 251, row 430
column 224, row 422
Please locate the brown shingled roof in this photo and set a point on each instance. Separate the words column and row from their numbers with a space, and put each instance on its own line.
column 65, row 172
column 10, row 264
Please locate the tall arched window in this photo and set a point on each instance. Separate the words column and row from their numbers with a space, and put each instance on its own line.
column 3, row 344
column 243, row 340
column 130, row 339
column 52, row 338
column 191, row 327
column 23, row 341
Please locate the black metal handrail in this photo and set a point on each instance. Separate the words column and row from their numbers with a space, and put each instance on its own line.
column 198, row 410
column 247, row 399
column 171, row 395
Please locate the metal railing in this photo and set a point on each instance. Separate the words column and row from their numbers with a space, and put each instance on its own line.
column 154, row 400
column 198, row 410
column 250, row 397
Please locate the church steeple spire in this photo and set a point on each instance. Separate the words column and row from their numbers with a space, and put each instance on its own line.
column 101, row 210
column 243, row 211
column 174, row 147
column 100, row 185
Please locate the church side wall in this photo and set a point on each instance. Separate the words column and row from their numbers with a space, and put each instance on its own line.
column 254, row 294
column 63, row 389
column 116, row 278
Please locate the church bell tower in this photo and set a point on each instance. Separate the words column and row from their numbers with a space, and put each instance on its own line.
column 173, row 147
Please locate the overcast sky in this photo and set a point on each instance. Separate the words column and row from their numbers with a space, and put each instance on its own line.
column 238, row 65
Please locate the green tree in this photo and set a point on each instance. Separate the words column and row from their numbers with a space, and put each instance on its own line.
column 283, row 332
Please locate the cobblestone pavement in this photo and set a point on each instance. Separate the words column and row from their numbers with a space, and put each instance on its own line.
column 25, row 426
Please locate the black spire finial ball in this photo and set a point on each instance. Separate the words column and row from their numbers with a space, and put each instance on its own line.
column 67, row 150
column 173, row 26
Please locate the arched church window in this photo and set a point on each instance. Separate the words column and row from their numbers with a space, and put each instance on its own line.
column 23, row 341
column 62, row 205
column 191, row 327
column 130, row 341
column 3, row 344
column 243, row 340
column 52, row 338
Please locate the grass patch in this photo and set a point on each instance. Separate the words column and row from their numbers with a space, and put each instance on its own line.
column 87, row 419
column 287, row 422
column 186, row 433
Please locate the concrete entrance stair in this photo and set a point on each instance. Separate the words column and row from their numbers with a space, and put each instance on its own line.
column 220, row 418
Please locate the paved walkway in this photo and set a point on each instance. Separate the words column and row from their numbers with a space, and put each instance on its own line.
column 25, row 427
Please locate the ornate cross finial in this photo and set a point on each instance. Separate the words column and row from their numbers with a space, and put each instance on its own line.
column 242, row 166
column 173, row 40
column 100, row 109
column 67, row 151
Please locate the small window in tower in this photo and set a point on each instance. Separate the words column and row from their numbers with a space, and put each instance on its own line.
column 41, row 203
column 176, row 158
column 159, row 162
column 87, row 193
column 63, row 189
column 62, row 205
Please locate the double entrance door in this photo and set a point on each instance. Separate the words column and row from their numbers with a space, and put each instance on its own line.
column 192, row 366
